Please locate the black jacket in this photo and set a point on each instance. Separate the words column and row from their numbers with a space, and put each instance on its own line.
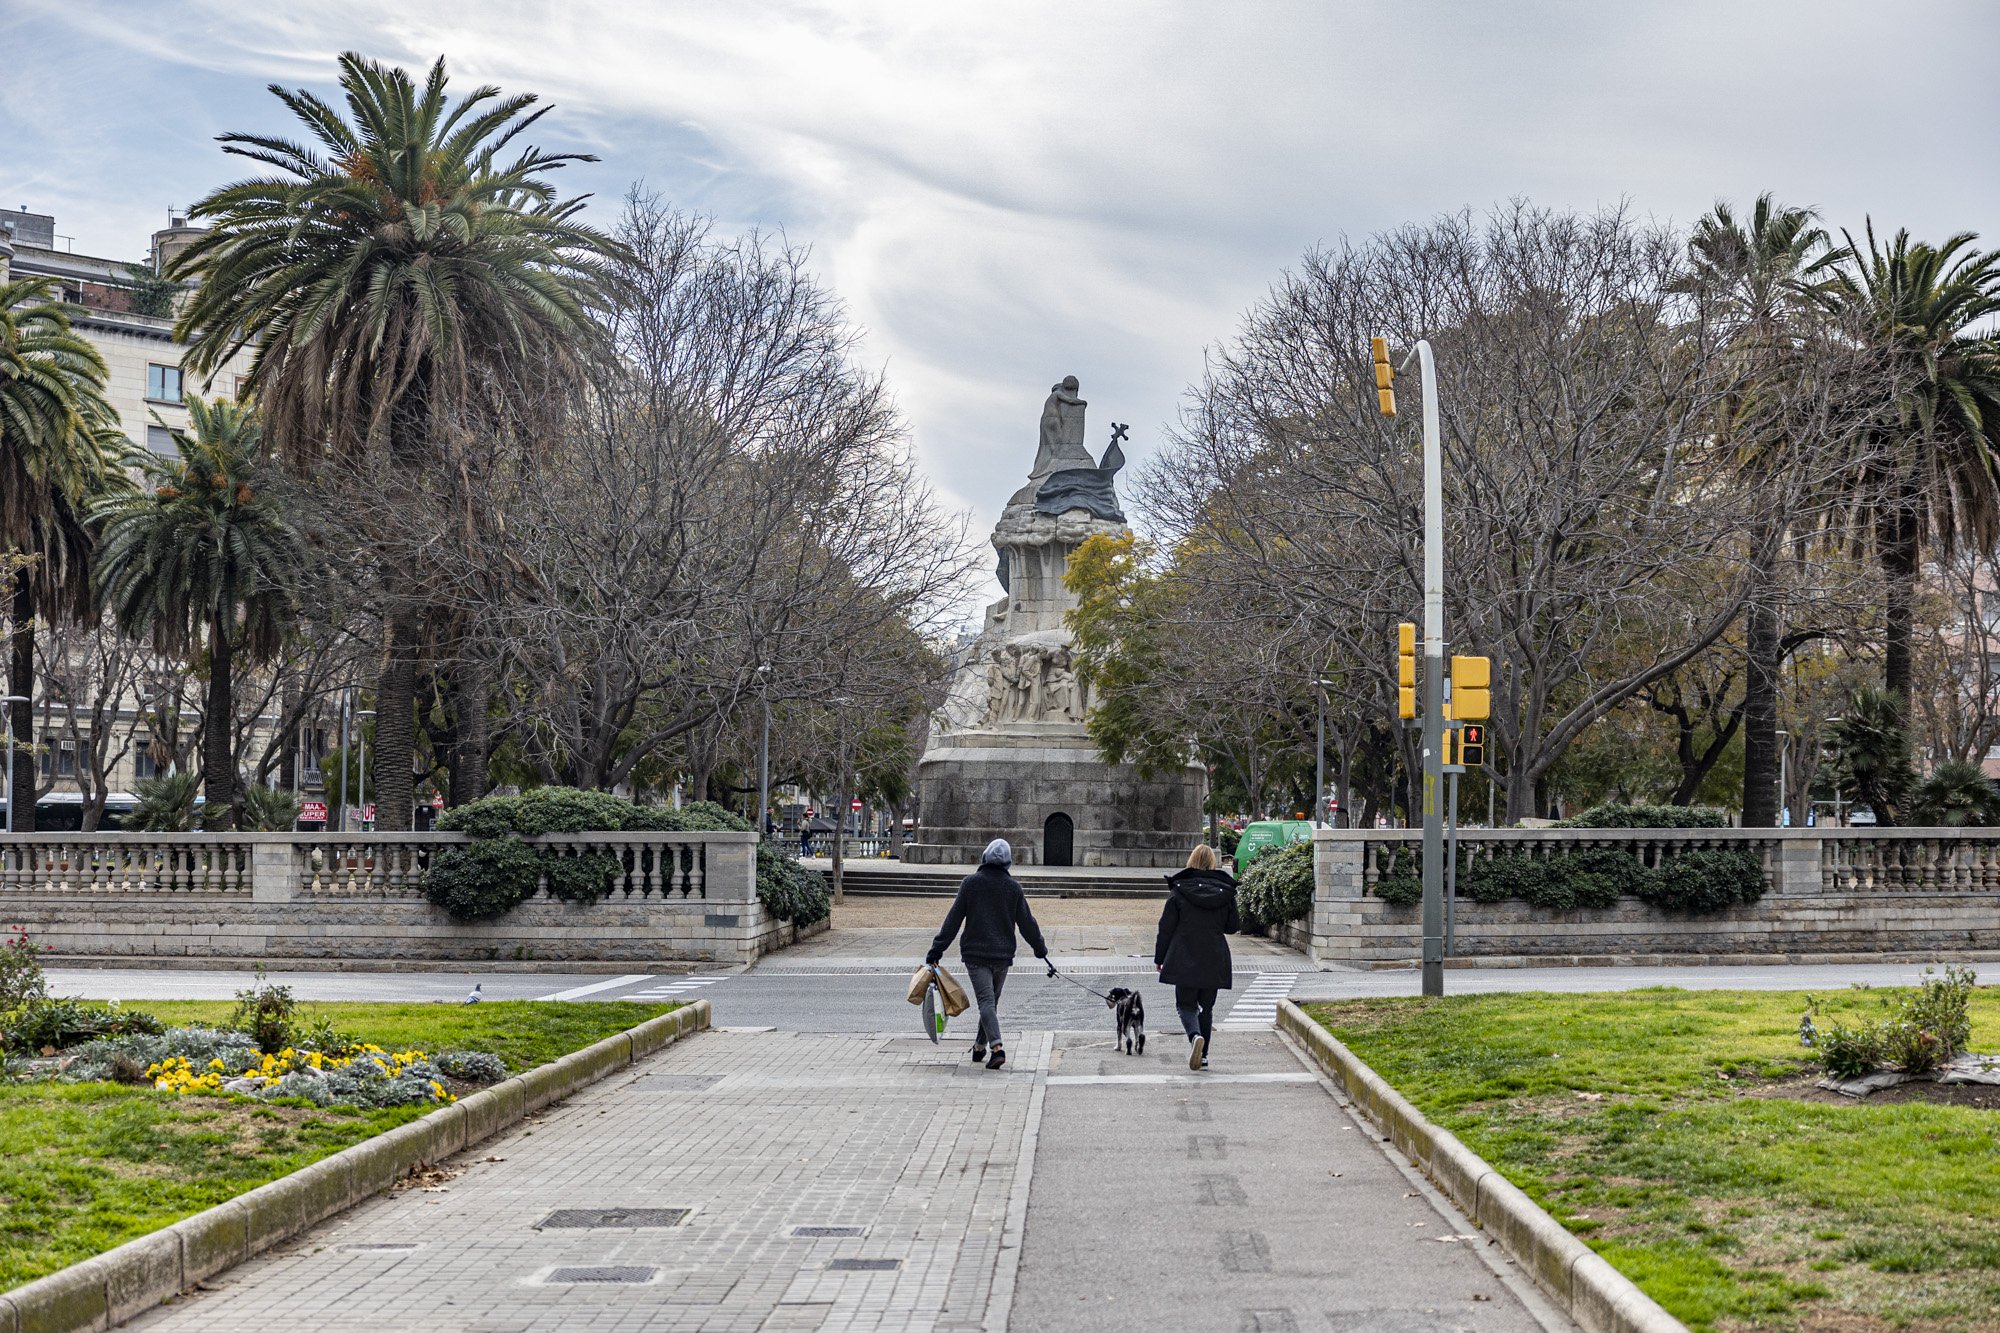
column 1200, row 910
column 989, row 905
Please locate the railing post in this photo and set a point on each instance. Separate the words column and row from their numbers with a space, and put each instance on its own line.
column 1796, row 867
column 274, row 876
column 1338, row 865
column 731, row 873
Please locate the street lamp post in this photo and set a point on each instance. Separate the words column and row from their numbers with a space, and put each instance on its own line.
column 1319, row 758
column 346, row 739
column 840, row 803
column 1433, row 958
column 764, row 754
column 7, row 702
column 361, row 781
column 1784, row 787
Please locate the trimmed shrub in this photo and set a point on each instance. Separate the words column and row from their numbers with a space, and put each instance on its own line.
column 583, row 878
column 1279, row 887
column 55, row 1025
column 790, row 891
column 488, row 879
column 1401, row 890
column 1705, row 880
column 1647, row 816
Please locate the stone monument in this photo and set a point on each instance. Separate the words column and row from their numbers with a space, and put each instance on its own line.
column 1009, row 756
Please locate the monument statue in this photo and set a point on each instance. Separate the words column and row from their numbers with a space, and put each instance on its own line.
column 1010, row 753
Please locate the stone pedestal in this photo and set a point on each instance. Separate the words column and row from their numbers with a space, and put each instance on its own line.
column 980, row 785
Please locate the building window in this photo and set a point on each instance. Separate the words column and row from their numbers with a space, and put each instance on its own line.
column 160, row 440
column 60, row 761
column 163, row 384
column 143, row 767
column 242, row 383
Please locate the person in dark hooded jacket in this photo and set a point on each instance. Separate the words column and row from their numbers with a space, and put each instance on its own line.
column 990, row 906
column 1190, row 952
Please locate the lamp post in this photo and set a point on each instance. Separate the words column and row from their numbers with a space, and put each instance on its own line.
column 840, row 793
column 764, row 753
column 1433, row 959
column 1319, row 756
column 362, row 780
column 346, row 739
column 1784, row 788
column 7, row 701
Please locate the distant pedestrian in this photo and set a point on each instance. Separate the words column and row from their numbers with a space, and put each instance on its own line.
column 1190, row 952
column 805, row 840
column 990, row 905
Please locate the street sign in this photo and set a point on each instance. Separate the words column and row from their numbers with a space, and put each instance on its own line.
column 312, row 812
column 855, row 805
column 368, row 812
column 437, row 800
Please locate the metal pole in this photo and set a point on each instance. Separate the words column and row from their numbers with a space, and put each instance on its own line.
column 7, row 703
column 764, row 758
column 1319, row 762
column 346, row 740
column 1451, row 872
column 1784, row 806
column 361, row 796
column 1433, row 958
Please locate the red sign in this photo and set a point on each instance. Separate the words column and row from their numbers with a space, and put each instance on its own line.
column 855, row 805
column 809, row 812
column 312, row 812
column 437, row 800
column 368, row 812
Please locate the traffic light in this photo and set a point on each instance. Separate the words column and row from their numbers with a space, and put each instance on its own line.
column 1406, row 668
column 1471, row 689
column 1385, row 380
column 1472, row 745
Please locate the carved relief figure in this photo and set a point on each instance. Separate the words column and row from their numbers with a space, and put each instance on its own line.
column 1065, row 692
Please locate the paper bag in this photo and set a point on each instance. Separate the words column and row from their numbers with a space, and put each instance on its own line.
column 951, row 993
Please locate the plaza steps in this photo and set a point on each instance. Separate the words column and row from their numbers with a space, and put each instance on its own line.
column 873, row 879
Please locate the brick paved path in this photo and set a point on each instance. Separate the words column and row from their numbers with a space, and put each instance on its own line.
column 921, row 1157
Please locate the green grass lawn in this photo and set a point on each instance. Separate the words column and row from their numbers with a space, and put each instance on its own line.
column 1656, row 1125
column 85, row 1167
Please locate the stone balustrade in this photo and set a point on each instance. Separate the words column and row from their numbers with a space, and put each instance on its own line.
column 358, row 896
column 1833, row 893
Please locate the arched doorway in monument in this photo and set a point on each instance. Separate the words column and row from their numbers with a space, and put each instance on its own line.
column 1058, row 840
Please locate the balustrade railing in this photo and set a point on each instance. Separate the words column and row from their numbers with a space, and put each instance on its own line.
column 81, row 863
column 286, row 867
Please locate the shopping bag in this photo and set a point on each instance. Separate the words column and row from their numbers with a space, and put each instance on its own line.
column 951, row 994
column 920, row 981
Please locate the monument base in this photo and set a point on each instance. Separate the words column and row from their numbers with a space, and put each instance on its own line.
column 1044, row 788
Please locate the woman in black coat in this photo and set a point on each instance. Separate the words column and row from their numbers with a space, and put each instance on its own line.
column 1190, row 952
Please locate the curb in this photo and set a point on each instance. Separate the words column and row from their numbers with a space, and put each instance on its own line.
column 109, row 1288
column 1583, row 1283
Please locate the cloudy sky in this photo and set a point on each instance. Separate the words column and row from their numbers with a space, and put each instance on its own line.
column 1006, row 193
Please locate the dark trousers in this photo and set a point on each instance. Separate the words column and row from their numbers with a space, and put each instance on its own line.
column 1196, row 1006
column 987, row 980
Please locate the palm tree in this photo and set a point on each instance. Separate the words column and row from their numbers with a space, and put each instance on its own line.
column 59, row 444
column 392, row 269
column 205, row 562
column 1759, row 272
column 1931, row 473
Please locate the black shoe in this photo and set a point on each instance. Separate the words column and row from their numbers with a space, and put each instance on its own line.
column 978, row 1056
column 999, row 1058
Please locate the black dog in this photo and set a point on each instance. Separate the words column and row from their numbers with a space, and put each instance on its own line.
column 1131, row 1019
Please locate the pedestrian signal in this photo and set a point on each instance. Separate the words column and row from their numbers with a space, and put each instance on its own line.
column 1385, row 376
column 1406, row 669
column 1472, row 745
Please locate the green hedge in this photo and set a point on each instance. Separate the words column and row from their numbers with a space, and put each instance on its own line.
column 1695, row 881
column 1277, row 887
column 498, row 872
column 1647, row 816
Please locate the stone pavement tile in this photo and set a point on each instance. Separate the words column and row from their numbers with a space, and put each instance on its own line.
column 800, row 1130
column 1200, row 1202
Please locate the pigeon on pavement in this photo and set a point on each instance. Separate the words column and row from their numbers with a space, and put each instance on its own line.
column 475, row 997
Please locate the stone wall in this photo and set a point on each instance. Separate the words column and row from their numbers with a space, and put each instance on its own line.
column 348, row 898
column 1920, row 893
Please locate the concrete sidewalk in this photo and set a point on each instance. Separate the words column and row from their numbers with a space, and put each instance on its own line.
column 883, row 1183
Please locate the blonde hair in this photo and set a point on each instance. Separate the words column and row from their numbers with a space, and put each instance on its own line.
column 1202, row 857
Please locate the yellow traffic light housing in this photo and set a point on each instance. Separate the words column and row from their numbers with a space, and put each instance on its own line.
column 1406, row 668
column 1471, row 689
column 1385, row 376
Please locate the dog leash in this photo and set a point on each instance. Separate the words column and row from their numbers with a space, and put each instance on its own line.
column 1078, row 984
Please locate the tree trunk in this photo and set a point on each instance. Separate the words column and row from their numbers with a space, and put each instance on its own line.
column 21, row 681
column 395, row 723
column 471, row 696
column 218, row 753
column 1900, row 554
column 288, row 746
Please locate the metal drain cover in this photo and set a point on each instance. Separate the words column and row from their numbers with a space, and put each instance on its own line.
column 829, row 1231
column 601, row 1275
column 864, row 1265
column 676, row 1082
column 567, row 1219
